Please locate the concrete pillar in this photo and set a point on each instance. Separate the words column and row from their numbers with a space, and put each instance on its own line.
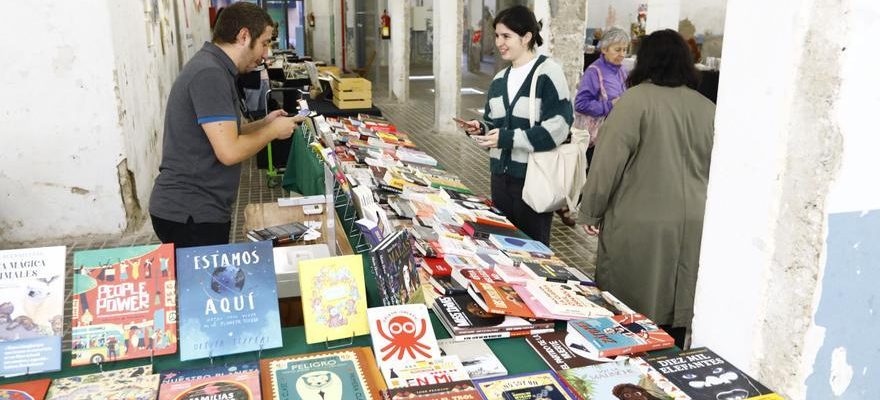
column 787, row 286
column 663, row 14
column 447, row 27
column 382, row 46
column 563, row 29
column 398, row 65
column 474, row 23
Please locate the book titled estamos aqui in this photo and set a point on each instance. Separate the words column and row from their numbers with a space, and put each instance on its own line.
column 123, row 304
column 228, row 300
column 31, row 310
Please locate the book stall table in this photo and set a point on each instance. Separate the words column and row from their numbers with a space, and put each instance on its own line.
column 319, row 175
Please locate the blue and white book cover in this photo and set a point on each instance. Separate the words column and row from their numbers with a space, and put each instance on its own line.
column 31, row 310
column 228, row 300
column 508, row 243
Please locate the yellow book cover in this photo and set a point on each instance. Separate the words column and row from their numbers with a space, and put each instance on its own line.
column 334, row 298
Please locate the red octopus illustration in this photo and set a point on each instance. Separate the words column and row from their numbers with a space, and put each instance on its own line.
column 404, row 338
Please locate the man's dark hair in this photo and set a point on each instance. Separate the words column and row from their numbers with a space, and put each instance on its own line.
column 521, row 20
column 665, row 60
column 237, row 16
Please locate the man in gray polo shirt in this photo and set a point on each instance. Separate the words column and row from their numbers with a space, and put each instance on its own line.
column 204, row 140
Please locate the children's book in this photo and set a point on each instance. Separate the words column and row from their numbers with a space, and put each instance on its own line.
column 443, row 369
column 348, row 374
column 461, row 390
column 446, row 286
column 499, row 298
column 702, row 374
column 130, row 383
column 124, row 304
column 396, row 271
column 476, row 357
column 555, row 272
column 437, row 266
column 30, row 390
column 401, row 334
column 228, row 382
column 621, row 334
column 334, row 298
column 228, row 300
column 508, row 243
column 563, row 350
column 611, row 381
column 31, row 310
column 511, row 274
column 467, row 276
column 573, row 300
column 465, row 319
column 536, row 385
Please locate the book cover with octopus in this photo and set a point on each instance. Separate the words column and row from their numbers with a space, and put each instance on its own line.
column 334, row 298
column 124, row 304
column 228, row 300
column 228, row 382
column 402, row 334
column 31, row 310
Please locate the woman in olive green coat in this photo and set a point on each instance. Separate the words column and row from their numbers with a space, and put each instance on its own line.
column 646, row 191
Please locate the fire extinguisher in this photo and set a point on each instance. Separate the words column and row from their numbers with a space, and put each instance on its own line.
column 386, row 25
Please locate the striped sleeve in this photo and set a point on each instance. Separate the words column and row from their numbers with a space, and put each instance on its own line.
column 555, row 115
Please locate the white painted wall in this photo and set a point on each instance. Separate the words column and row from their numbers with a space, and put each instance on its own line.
column 607, row 13
column 738, row 238
column 321, row 46
column 89, row 99
column 663, row 14
column 856, row 109
column 60, row 143
column 706, row 15
column 809, row 133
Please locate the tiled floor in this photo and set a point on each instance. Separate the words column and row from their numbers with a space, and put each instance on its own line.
column 455, row 152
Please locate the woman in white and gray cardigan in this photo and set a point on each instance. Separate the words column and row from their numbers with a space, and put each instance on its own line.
column 505, row 129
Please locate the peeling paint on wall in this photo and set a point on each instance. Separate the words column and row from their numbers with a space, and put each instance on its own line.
column 128, row 190
column 849, row 290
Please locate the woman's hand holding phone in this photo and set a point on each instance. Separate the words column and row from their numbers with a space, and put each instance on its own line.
column 471, row 127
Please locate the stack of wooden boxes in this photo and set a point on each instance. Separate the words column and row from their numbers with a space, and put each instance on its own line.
column 351, row 92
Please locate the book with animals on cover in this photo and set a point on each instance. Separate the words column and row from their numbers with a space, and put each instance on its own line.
column 31, row 309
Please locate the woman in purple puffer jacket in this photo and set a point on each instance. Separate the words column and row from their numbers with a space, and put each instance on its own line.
column 602, row 84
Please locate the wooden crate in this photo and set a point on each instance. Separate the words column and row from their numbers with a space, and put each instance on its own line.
column 353, row 94
column 351, row 104
column 331, row 69
column 345, row 84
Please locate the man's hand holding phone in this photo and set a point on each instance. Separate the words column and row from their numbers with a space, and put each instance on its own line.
column 472, row 127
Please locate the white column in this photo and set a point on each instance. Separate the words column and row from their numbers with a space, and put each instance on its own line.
column 563, row 29
column 381, row 44
column 398, row 65
column 789, row 266
column 447, row 27
column 663, row 14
